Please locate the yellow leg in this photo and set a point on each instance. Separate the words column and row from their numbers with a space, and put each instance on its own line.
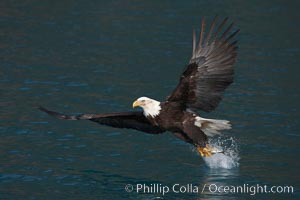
column 200, row 151
column 205, row 152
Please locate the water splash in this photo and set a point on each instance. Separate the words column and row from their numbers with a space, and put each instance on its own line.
column 227, row 160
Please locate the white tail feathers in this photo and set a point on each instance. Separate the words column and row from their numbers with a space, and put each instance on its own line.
column 212, row 127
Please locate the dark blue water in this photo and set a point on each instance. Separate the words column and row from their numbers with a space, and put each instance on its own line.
column 99, row 56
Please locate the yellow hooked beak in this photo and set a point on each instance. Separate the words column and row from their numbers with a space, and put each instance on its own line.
column 135, row 104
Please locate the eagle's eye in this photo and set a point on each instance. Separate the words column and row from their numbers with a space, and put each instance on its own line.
column 143, row 101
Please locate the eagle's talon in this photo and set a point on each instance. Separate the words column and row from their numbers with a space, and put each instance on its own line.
column 205, row 152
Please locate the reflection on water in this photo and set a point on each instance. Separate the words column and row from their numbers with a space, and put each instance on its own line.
column 96, row 56
column 214, row 178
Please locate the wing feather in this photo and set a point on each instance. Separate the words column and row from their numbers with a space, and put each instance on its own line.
column 130, row 120
column 210, row 70
column 211, row 30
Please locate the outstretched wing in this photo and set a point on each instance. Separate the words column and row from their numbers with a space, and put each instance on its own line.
column 132, row 120
column 210, row 70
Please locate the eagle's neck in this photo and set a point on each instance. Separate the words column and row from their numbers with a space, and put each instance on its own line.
column 152, row 109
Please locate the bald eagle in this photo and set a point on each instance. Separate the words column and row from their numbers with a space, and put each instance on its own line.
column 208, row 74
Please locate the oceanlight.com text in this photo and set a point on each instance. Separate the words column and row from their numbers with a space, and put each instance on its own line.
column 158, row 188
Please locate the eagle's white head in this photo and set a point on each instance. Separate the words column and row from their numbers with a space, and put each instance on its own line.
column 150, row 106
